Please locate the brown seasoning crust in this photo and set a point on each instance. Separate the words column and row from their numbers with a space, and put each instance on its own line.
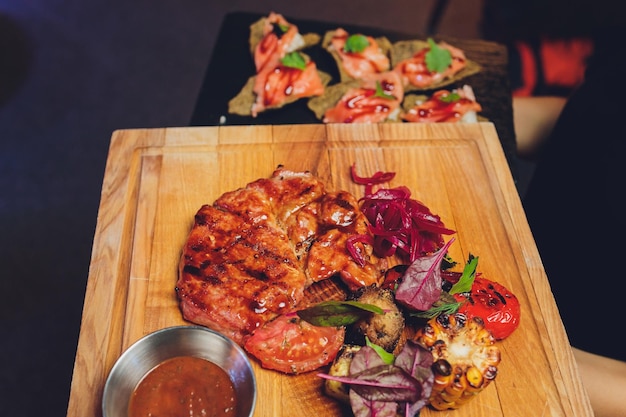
column 251, row 254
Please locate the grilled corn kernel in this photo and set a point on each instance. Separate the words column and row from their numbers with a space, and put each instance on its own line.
column 465, row 358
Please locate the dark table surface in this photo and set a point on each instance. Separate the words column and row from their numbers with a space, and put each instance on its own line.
column 231, row 65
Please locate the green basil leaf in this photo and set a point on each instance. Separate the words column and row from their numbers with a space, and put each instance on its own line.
column 279, row 29
column 356, row 43
column 387, row 357
column 294, row 60
column 381, row 93
column 464, row 284
column 450, row 98
column 337, row 313
column 437, row 59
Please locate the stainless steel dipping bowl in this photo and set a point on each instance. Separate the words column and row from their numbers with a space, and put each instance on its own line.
column 154, row 348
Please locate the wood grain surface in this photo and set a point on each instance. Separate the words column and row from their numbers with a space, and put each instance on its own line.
column 156, row 179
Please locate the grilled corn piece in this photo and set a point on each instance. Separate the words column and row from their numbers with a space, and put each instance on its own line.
column 465, row 358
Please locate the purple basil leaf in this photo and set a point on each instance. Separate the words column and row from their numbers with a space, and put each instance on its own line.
column 366, row 408
column 387, row 383
column 417, row 361
column 413, row 409
column 413, row 359
column 364, row 359
column 420, row 286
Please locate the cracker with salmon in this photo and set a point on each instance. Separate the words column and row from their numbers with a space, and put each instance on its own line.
column 283, row 74
column 275, row 36
column 374, row 98
column 279, row 87
column 357, row 54
column 457, row 105
column 419, row 63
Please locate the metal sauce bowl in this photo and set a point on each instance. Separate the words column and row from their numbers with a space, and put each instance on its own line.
column 154, row 348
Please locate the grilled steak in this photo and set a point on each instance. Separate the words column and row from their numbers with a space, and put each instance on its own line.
column 251, row 254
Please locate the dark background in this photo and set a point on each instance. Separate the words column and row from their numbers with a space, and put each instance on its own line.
column 72, row 72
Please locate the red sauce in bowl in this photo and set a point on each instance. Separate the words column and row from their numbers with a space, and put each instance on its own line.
column 184, row 385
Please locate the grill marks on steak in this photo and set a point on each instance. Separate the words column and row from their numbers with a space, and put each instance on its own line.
column 236, row 275
column 250, row 256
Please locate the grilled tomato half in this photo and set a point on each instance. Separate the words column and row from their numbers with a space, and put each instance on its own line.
column 291, row 345
column 494, row 303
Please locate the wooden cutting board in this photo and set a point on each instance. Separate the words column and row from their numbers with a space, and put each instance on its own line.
column 156, row 179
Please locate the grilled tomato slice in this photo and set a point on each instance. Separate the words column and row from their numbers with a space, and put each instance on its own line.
column 291, row 345
column 494, row 303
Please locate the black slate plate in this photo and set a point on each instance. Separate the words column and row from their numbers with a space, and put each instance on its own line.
column 231, row 65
